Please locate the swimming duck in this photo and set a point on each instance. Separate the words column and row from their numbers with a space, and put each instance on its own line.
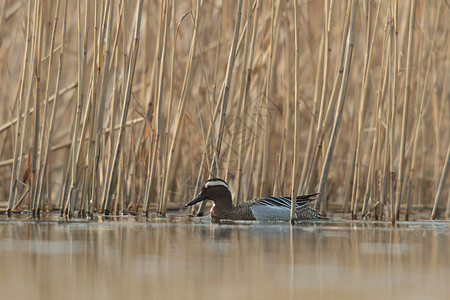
column 262, row 209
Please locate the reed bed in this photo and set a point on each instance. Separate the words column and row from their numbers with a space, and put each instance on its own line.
column 126, row 107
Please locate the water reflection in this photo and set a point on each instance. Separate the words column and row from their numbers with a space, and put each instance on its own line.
column 178, row 258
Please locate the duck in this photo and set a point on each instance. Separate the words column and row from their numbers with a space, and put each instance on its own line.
column 274, row 208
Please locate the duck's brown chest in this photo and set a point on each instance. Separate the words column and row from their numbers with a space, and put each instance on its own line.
column 233, row 213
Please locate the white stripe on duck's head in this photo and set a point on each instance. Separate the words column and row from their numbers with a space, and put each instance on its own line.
column 214, row 189
column 215, row 182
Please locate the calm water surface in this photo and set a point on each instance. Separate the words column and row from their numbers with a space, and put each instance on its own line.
column 177, row 258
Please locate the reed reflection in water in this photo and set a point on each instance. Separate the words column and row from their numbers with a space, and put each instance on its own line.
column 176, row 258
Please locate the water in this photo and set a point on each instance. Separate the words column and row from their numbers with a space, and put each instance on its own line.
column 177, row 258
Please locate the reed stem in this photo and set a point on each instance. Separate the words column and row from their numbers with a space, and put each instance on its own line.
column 341, row 99
column 401, row 167
column 297, row 113
column 113, row 173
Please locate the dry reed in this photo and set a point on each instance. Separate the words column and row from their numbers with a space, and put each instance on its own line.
column 114, row 108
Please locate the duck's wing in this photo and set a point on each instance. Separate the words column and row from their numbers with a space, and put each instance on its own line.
column 271, row 208
column 285, row 202
column 278, row 208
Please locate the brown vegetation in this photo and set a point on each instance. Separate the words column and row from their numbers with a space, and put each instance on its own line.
column 112, row 106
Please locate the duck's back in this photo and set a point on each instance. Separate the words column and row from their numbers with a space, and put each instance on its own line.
column 271, row 209
column 279, row 208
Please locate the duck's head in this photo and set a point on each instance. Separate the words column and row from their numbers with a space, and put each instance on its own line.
column 214, row 189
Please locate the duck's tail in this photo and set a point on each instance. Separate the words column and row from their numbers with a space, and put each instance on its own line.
column 308, row 198
column 306, row 212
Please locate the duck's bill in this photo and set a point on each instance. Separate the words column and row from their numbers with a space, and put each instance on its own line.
column 200, row 197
